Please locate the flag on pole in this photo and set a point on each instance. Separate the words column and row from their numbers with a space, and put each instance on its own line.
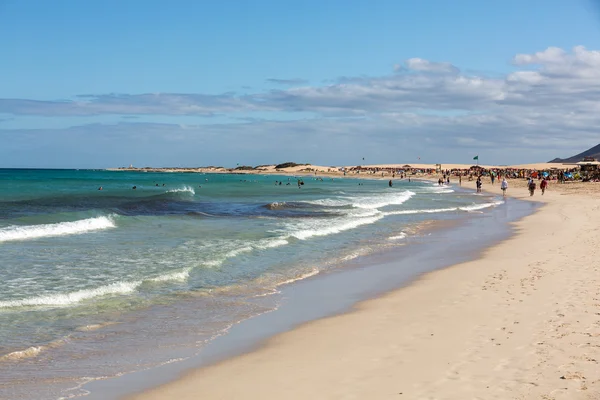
column 476, row 158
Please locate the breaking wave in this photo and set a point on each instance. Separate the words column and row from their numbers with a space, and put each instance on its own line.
column 25, row 232
column 66, row 299
column 185, row 189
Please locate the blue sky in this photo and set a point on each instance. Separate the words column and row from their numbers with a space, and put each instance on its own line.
column 109, row 83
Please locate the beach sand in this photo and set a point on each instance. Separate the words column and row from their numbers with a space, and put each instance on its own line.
column 521, row 322
column 310, row 169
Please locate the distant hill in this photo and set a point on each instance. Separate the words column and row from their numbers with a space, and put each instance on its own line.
column 593, row 152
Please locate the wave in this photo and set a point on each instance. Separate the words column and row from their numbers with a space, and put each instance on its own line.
column 260, row 245
column 369, row 202
column 30, row 352
column 185, row 189
column 439, row 189
column 271, row 243
column 426, row 211
column 276, row 205
column 300, row 277
column 324, row 228
column 354, row 255
column 25, row 232
column 127, row 287
column 67, row 299
column 473, row 207
column 200, row 214
column 476, row 207
column 402, row 235
column 174, row 276
column 376, row 202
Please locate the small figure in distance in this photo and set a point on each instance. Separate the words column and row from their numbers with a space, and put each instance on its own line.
column 504, row 186
column 135, row 187
column 543, row 185
column 531, row 186
column 100, row 188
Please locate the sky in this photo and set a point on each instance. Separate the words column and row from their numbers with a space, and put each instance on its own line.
column 100, row 84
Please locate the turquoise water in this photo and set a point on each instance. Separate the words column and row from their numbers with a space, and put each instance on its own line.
column 92, row 278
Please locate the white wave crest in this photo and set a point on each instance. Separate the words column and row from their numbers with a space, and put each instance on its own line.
column 354, row 255
column 328, row 227
column 30, row 352
column 374, row 202
column 340, row 202
column 236, row 252
column 439, row 189
column 313, row 272
column 17, row 232
column 476, row 207
column 429, row 211
column 367, row 202
column 174, row 276
column 67, row 299
column 270, row 243
column 187, row 189
column 402, row 235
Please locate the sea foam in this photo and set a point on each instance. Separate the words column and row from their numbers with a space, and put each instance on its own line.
column 184, row 189
column 476, row 207
column 328, row 227
column 425, row 211
column 67, row 299
column 375, row 202
column 25, row 232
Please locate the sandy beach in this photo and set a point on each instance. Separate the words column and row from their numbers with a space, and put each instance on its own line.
column 521, row 322
column 338, row 170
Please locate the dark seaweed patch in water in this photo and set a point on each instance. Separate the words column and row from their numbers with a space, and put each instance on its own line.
column 133, row 204
column 169, row 203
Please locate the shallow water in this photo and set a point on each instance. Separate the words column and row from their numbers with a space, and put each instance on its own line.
column 93, row 280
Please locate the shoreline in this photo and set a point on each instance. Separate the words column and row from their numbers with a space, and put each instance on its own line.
column 335, row 292
column 312, row 351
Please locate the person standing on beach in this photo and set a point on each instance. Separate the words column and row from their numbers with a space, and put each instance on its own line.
column 531, row 186
column 478, row 184
column 543, row 185
column 459, row 180
column 504, row 186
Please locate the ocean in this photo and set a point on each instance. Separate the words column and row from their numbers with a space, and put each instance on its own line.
column 100, row 283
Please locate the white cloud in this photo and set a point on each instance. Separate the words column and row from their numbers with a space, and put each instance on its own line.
column 548, row 56
column 551, row 104
column 419, row 64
